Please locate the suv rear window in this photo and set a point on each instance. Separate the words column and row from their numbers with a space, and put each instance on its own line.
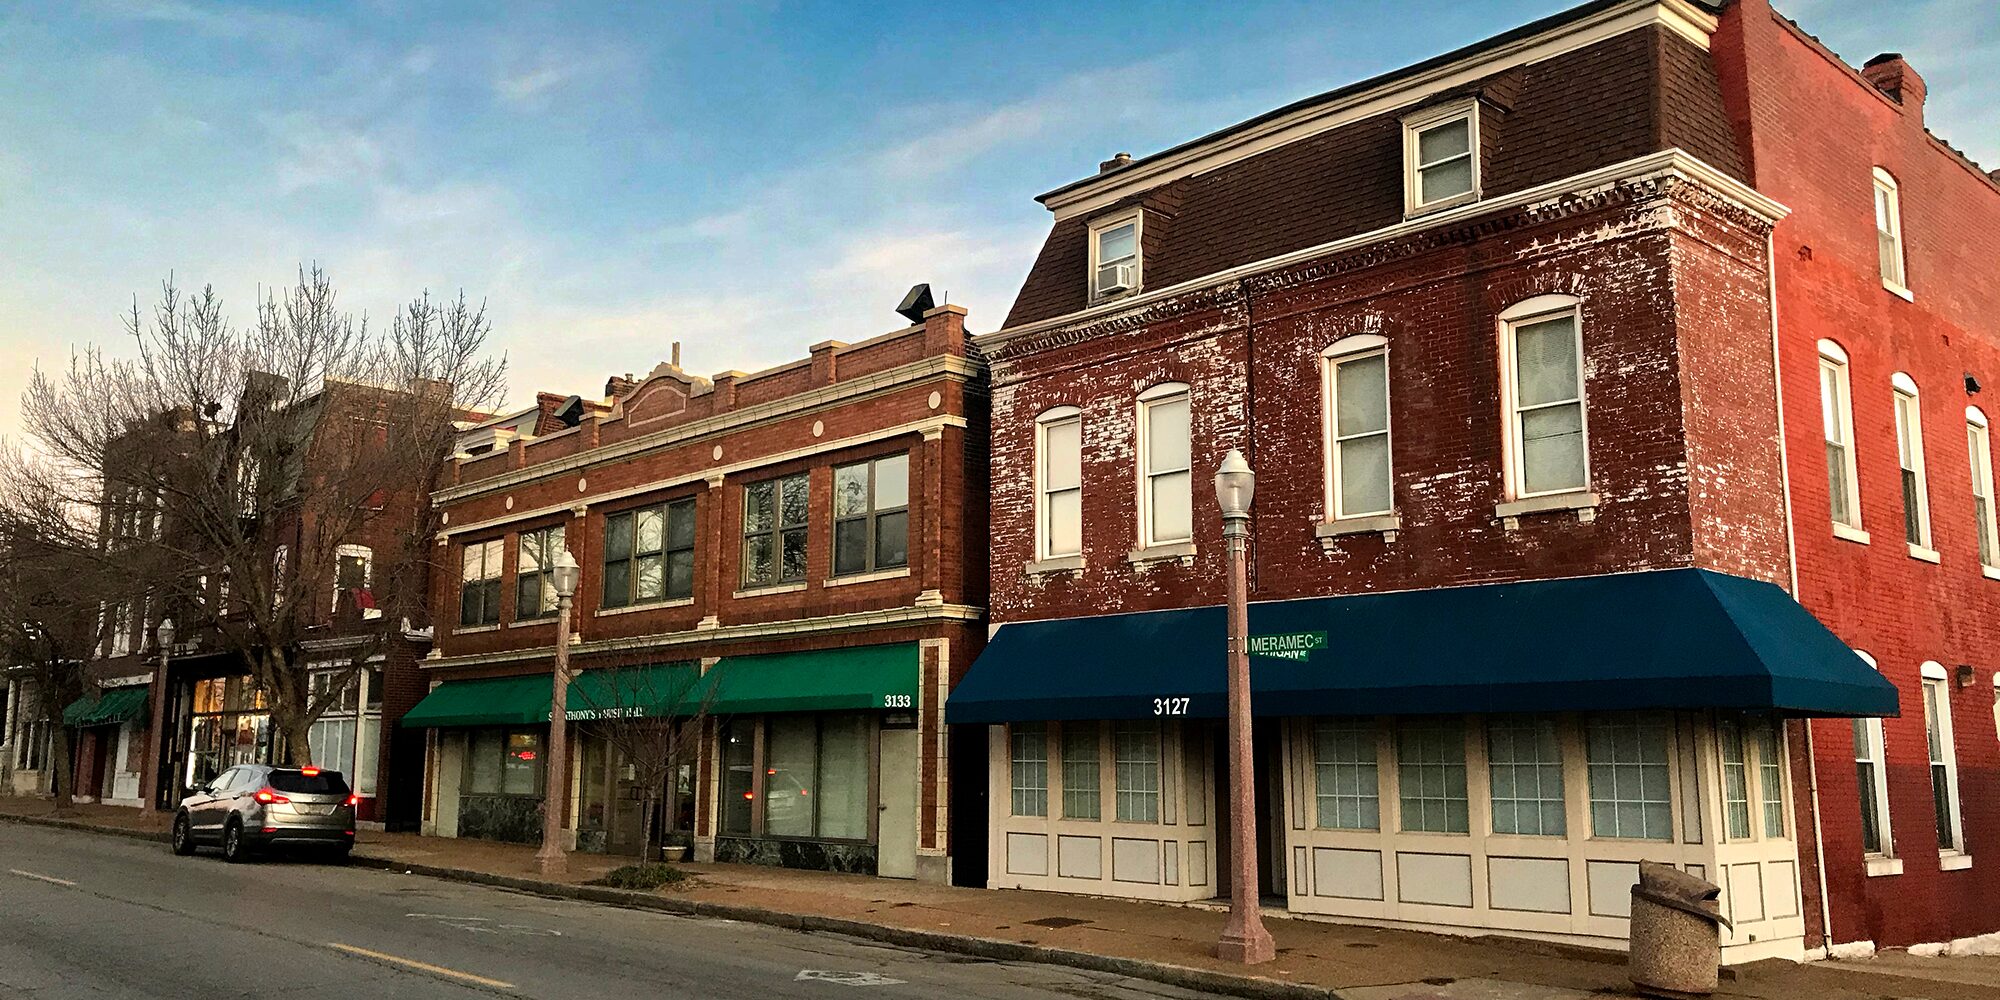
column 301, row 783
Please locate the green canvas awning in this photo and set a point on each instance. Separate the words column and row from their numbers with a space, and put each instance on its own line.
column 112, row 707
column 656, row 691
column 826, row 680
column 1670, row 639
column 488, row 701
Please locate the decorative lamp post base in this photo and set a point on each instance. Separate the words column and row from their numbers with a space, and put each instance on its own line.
column 1253, row 947
column 554, row 862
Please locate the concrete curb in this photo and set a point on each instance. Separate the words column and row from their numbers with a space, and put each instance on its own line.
column 86, row 827
column 958, row 944
column 991, row 949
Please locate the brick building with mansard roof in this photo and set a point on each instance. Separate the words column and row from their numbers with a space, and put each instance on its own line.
column 1498, row 333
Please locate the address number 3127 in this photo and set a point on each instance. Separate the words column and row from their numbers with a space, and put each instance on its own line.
column 1170, row 706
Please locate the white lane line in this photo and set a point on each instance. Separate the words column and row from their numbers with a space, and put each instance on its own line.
column 50, row 879
column 411, row 963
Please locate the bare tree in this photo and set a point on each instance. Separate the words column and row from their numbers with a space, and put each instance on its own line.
column 280, row 472
column 53, row 592
column 652, row 718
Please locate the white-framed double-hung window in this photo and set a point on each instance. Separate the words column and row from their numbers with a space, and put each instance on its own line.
column 1029, row 742
column 1889, row 233
column 1525, row 772
column 1629, row 760
column 1355, row 388
column 1116, row 264
column 1441, row 157
column 1843, row 483
column 1059, row 484
column 1944, row 760
column 1979, row 446
column 1910, row 456
column 1430, row 777
column 1871, row 775
column 1346, row 776
column 1166, row 479
column 1547, row 448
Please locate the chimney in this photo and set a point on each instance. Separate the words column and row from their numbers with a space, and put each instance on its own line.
column 619, row 386
column 676, row 362
column 1892, row 76
column 1116, row 161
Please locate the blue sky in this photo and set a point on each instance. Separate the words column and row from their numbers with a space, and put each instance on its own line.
column 747, row 178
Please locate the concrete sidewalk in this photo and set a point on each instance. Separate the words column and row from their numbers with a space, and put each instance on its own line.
column 1160, row 942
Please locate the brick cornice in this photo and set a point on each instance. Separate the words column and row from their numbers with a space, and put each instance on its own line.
column 918, row 614
column 954, row 367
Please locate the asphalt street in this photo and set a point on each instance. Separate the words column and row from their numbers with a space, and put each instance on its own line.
column 86, row 916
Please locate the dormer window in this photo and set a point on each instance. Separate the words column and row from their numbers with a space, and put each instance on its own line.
column 1114, row 256
column 1440, row 157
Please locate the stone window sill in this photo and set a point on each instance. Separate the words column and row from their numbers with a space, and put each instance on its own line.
column 1879, row 867
column 1990, row 572
column 781, row 588
column 1583, row 502
column 1899, row 291
column 532, row 622
column 678, row 602
column 1055, row 564
column 898, row 573
column 1927, row 555
column 1850, row 532
column 1954, row 861
column 1385, row 525
column 1183, row 551
column 475, row 629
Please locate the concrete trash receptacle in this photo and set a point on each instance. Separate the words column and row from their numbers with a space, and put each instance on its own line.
column 1676, row 948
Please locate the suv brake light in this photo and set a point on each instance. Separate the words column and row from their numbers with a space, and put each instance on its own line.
column 310, row 772
column 268, row 796
column 354, row 800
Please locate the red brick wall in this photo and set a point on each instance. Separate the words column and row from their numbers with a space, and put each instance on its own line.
column 1814, row 131
column 1642, row 271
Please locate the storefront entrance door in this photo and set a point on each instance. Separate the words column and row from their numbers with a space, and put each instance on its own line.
column 896, row 842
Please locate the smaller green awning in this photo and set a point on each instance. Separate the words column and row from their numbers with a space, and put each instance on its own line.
column 826, row 680
column 108, row 708
column 488, row 701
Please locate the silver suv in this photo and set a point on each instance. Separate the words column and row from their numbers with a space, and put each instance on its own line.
column 255, row 806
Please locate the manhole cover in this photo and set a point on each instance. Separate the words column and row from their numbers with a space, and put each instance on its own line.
column 1057, row 922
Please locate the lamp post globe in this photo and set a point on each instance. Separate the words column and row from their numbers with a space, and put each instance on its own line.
column 565, row 574
column 1235, row 486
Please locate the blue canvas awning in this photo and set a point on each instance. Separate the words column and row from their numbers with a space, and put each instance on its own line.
column 1670, row 639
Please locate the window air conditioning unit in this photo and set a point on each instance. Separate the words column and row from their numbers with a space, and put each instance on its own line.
column 1114, row 278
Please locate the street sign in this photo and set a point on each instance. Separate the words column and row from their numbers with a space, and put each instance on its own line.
column 1288, row 645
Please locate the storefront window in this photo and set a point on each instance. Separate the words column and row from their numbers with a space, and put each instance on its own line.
column 1735, row 781
column 1771, row 776
column 1348, row 786
column 1031, row 768
column 1430, row 776
column 503, row 762
column 1136, row 771
column 229, row 726
column 738, row 765
column 1630, row 791
column 1082, row 774
column 1525, row 759
column 816, row 776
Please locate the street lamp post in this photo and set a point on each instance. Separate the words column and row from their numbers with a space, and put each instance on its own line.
column 156, row 705
column 1244, row 938
column 552, row 859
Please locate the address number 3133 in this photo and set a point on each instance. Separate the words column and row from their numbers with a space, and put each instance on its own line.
column 1171, row 706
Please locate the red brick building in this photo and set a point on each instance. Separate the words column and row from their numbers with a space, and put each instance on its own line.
column 1496, row 331
column 1886, row 294
column 804, row 538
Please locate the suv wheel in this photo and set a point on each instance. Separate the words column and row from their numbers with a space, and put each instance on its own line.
column 233, row 849
column 183, row 837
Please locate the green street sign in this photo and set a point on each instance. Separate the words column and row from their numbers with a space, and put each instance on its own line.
column 1287, row 646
